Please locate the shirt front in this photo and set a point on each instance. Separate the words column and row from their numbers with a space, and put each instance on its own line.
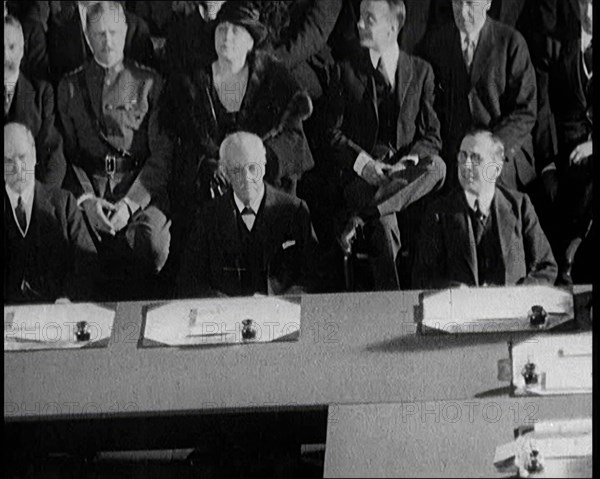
column 485, row 201
column 474, row 37
column 27, row 199
column 390, row 62
column 586, row 40
column 254, row 205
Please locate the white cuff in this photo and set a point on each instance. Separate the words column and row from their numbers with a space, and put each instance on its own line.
column 132, row 205
column 83, row 198
column 360, row 162
column 550, row 167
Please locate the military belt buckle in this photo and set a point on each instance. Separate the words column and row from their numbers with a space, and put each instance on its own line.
column 110, row 165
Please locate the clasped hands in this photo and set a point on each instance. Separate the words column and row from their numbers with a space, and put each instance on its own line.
column 105, row 216
column 377, row 173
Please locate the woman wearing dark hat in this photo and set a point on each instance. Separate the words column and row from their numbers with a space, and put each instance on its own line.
column 244, row 89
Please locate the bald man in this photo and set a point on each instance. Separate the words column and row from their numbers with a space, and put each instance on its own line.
column 48, row 252
column 252, row 240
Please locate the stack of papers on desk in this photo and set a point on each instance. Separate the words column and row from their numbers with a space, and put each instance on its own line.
column 54, row 326
column 492, row 310
column 563, row 449
column 563, row 364
column 219, row 321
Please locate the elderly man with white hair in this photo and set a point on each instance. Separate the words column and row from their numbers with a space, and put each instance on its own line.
column 253, row 240
column 48, row 252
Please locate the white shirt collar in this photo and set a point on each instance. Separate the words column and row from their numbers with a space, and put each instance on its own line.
column 474, row 36
column 254, row 205
column 82, row 14
column 27, row 198
column 390, row 61
column 485, row 201
column 586, row 39
column 11, row 83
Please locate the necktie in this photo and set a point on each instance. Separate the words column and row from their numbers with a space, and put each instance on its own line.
column 468, row 51
column 7, row 100
column 20, row 214
column 588, row 58
column 478, row 221
column 382, row 76
column 248, row 216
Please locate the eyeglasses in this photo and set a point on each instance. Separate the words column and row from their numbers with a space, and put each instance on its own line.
column 464, row 156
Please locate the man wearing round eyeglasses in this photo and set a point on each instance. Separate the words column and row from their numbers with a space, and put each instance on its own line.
column 254, row 239
column 482, row 234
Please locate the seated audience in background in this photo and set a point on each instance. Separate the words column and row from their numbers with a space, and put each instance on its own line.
column 120, row 160
column 481, row 233
column 570, row 192
column 301, row 41
column 33, row 16
column 244, row 89
column 68, row 46
column 157, row 14
column 48, row 252
column 484, row 79
column 190, row 39
column 31, row 102
column 252, row 240
column 381, row 117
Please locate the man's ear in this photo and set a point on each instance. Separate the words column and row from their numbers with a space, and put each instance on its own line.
column 497, row 169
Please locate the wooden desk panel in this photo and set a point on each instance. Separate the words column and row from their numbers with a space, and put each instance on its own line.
column 353, row 348
column 435, row 439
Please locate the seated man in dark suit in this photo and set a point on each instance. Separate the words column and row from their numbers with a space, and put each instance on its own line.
column 48, row 252
column 485, row 80
column 252, row 240
column 384, row 138
column 31, row 103
column 33, row 16
column 571, row 96
column 68, row 46
column 482, row 234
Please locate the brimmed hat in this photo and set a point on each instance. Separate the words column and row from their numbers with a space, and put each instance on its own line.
column 243, row 14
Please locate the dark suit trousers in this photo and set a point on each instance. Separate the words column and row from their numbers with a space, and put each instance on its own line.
column 383, row 233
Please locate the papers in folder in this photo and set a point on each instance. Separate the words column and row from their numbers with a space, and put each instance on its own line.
column 56, row 326
column 490, row 310
column 223, row 321
column 553, row 364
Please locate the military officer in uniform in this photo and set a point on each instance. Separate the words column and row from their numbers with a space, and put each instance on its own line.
column 120, row 159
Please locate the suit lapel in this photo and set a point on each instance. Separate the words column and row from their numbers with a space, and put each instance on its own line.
column 404, row 74
column 22, row 102
column 228, row 230
column 573, row 69
column 464, row 241
column 483, row 52
column 264, row 224
column 363, row 69
column 503, row 211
